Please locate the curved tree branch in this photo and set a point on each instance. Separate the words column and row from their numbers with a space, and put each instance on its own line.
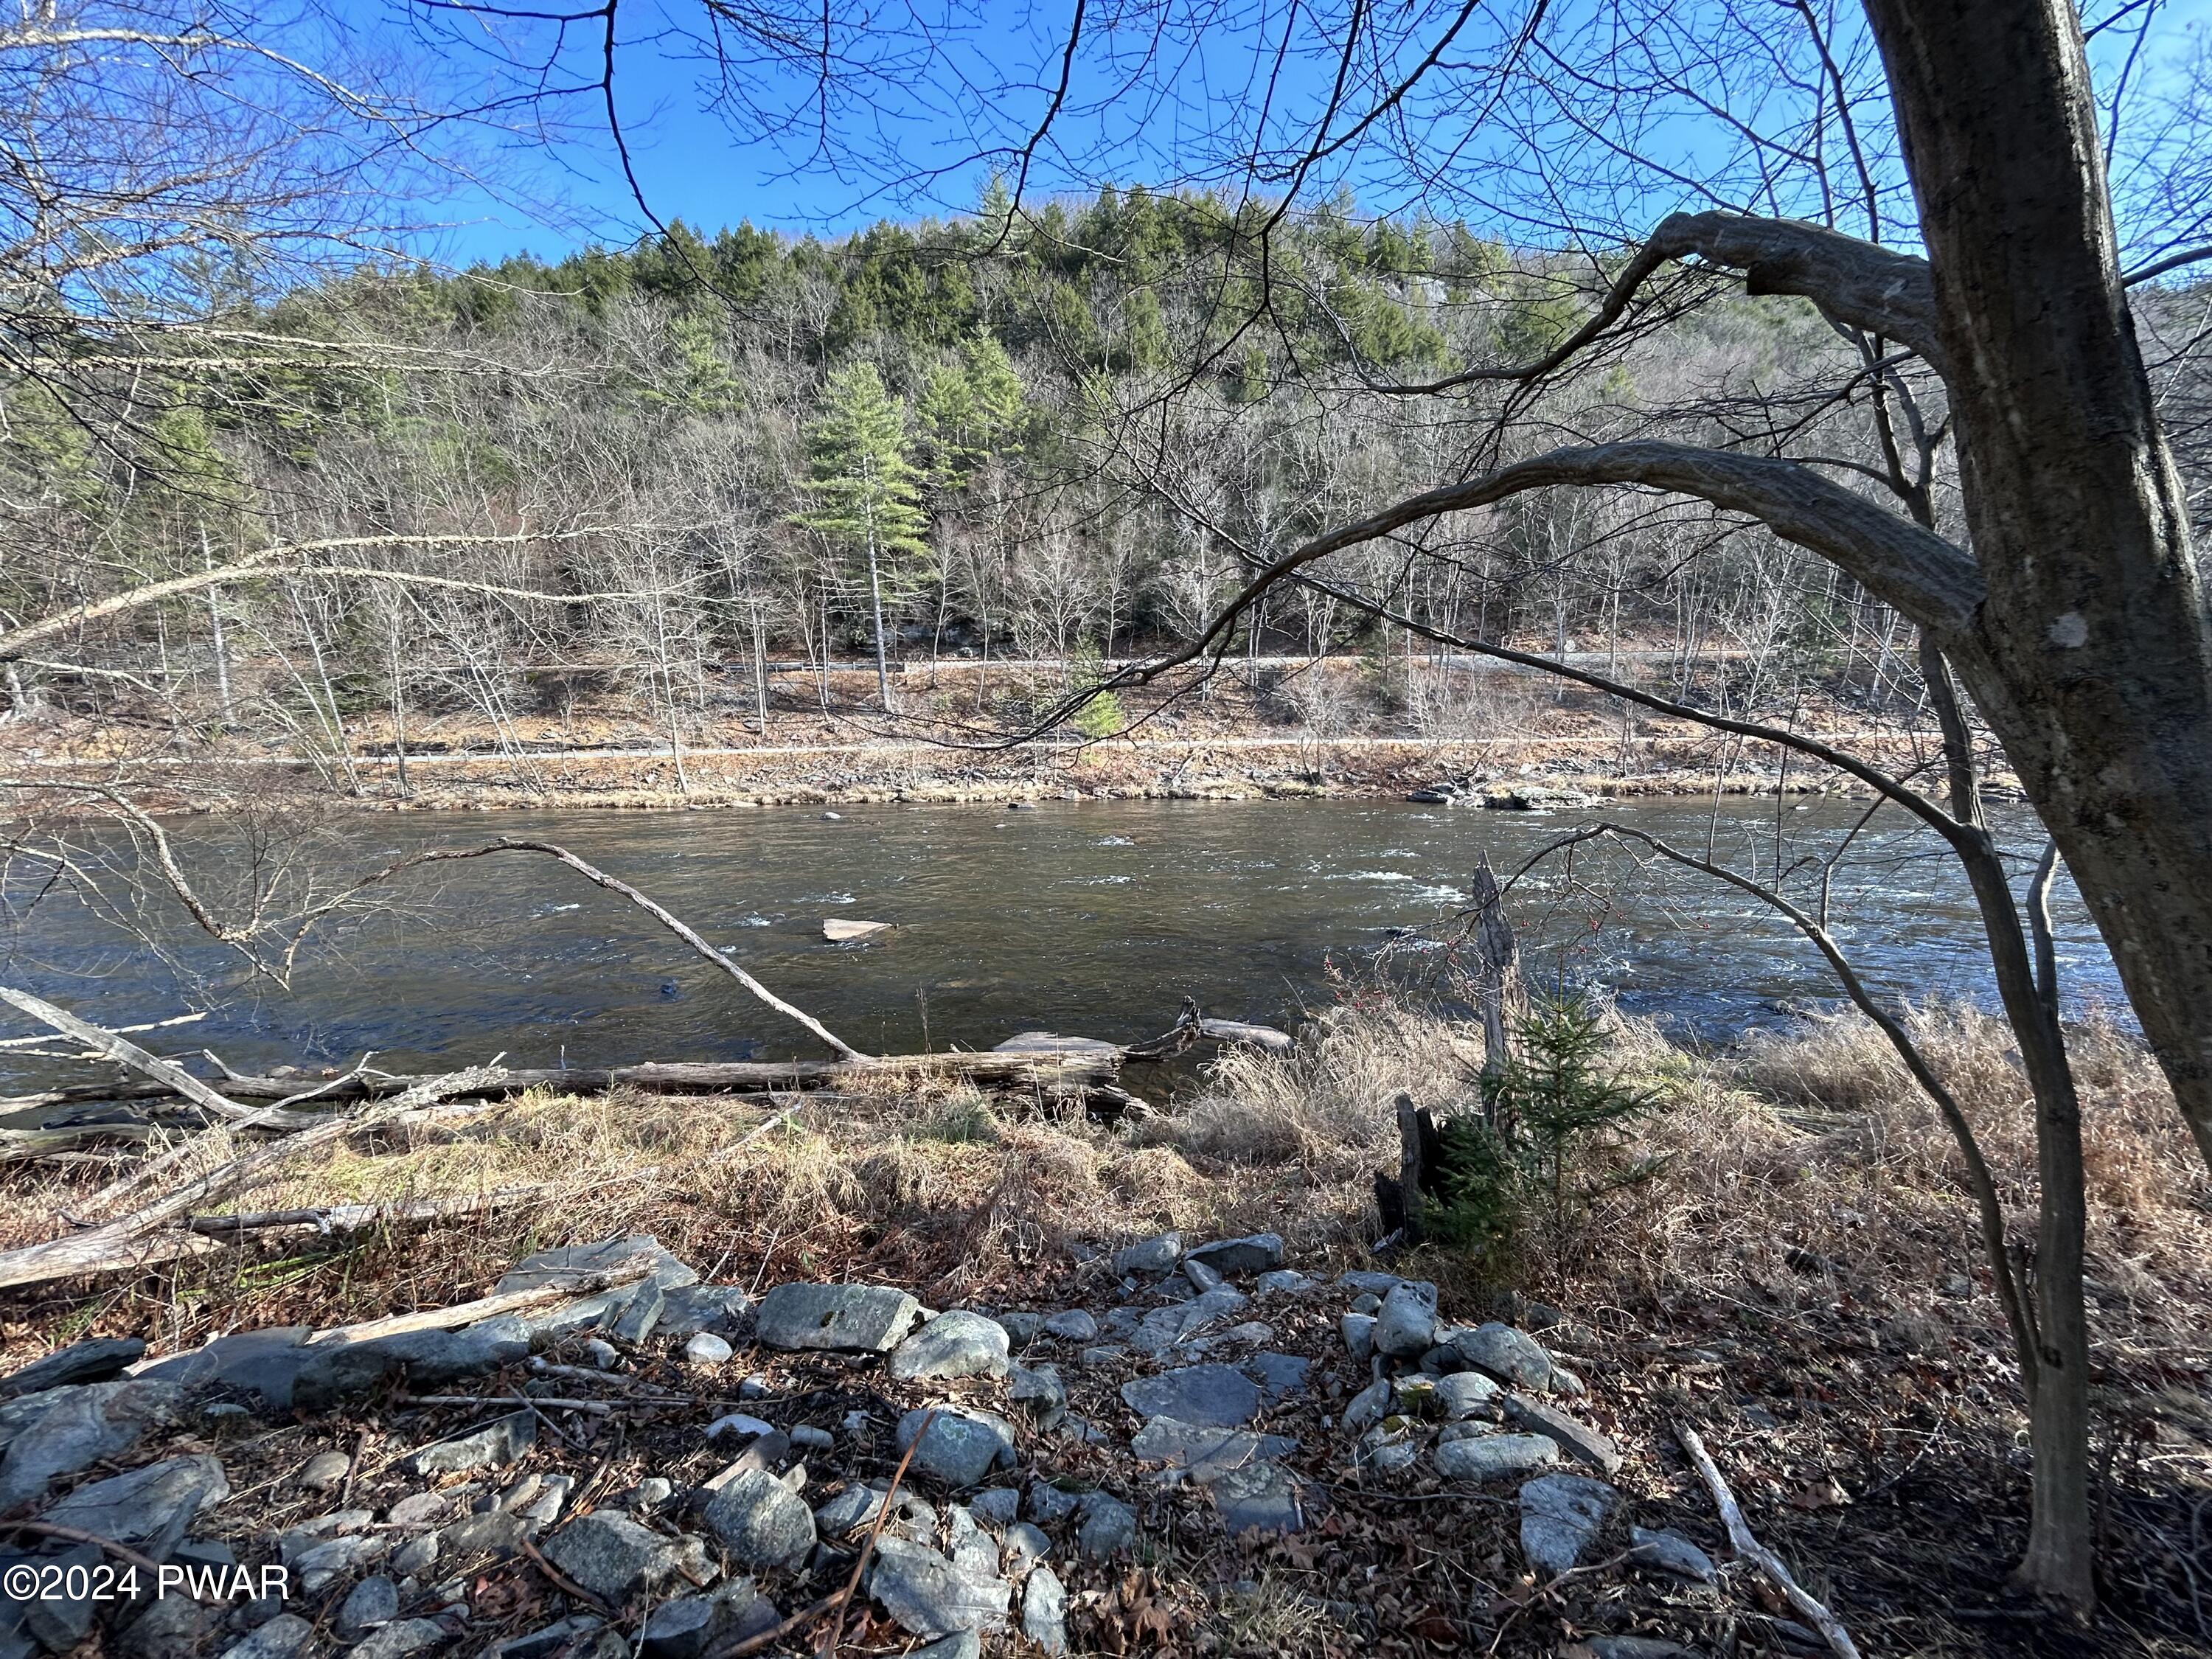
column 1980, row 1180
column 1855, row 283
column 272, row 561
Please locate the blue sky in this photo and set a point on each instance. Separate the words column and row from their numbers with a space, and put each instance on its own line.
column 971, row 89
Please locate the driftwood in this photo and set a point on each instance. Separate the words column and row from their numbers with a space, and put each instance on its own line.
column 174, row 1078
column 332, row 1218
column 467, row 1313
column 1748, row 1546
column 1193, row 1026
column 125, row 1242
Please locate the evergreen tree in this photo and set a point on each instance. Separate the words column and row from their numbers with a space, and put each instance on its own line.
column 866, row 490
column 972, row 412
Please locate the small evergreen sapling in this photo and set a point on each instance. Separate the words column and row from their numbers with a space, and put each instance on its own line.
column 1554, row 1144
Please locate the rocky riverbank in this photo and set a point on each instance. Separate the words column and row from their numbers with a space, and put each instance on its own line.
column 671, row 1468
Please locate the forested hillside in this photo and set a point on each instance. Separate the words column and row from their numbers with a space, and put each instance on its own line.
column 631, row 462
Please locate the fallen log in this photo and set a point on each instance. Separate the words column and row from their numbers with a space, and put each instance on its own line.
column 1052, row 1071
column 142, row 1237
column 1193, row 1026
column 324, row 1220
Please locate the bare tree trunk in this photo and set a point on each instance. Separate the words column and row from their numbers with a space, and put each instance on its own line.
column 760, row 671
column 221, row 645
column 876, row 601
column 2096, row 668
column 399, row 714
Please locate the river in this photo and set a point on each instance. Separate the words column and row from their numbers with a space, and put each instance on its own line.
column 1092, row 918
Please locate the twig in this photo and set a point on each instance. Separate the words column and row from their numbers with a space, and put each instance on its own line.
column 561, row 1582
column 842, row 1598
column 353, row 1466
column 1741, row 1541
column 600, row 1407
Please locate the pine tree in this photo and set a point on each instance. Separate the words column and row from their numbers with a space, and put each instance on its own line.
column 866, row 490
column 972, row 412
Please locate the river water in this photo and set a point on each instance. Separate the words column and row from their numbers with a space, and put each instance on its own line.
column 1090, row 919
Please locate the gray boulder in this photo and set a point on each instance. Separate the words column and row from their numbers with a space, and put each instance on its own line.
column 929, row 1594
column 402, row 1638
column 955, row 1344
column 1021, row 1327
column 1235, row 1258
column 639, row 1315
column 1044, row 1611
column 95, row 1359
column 1281, row 1375
column 147, row 1509
column 1024, row 1543
column 497, row 1534
column 1156, row 1254
column 1509, row 1355
column 856, row 1507
column 495, row 1445
column 1073, row 1326
column 1369, row 1405
column 1463, row 1394
column 1258, row 1497
column 1206, row 1453
column 1492, row 1456
column 1580, row 1441
column 1283, row 1281
column 318, row 1567
column 58, row 1622
column 996, row 1508
column 1050, row 1505
column 1358, row 1331
column 1669, row 1551
column 575, row 1266
column 705, row 1348
column 1560, row 1515
column 960, row 1447
column 1406, row 1325
column 863, row 1318
column 1365, row 1281
column 324, row 1472
column 1219, row 1395
column 94, row 1423
column 1038, row 1390
column 372, row 1602
column 687, row 1626
column 327, row 1374
column 687, row 1309
column 264, row 1361
column 619, row 1561
column 761, row 1521
column 284, row 1636
column 1110, row 1526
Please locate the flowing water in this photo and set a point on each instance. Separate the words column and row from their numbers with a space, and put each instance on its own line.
column 1092, row 919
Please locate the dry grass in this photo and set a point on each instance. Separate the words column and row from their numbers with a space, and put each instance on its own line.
column 1808, row 1236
